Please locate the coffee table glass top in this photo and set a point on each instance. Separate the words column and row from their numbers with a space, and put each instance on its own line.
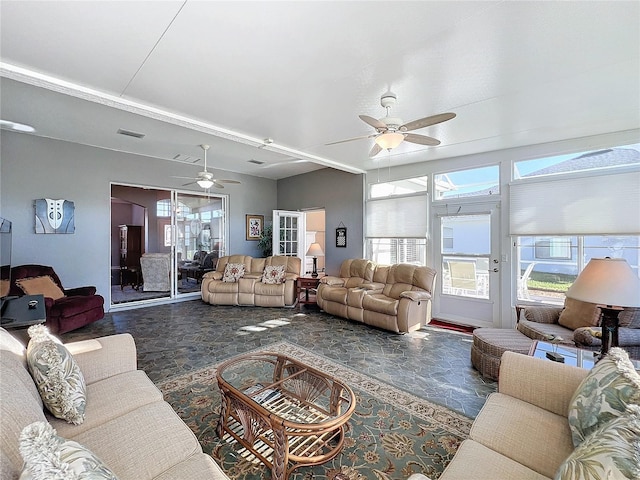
column 577, row 357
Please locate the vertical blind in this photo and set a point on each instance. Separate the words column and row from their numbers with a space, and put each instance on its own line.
column 402, row 217
column 592, row 205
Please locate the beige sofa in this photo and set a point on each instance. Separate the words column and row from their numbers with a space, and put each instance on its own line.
column 522, row 431
column 127, row 424
column 249, row 289
column 393, row 297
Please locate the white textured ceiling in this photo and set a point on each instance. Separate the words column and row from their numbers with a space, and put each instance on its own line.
column 231, row 74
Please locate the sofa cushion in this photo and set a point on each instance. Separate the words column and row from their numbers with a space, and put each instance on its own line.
column 195, row 467
column 475, row 461
column 380, row 303
column 111, row 398
column 233, row 272
column 541, row 331
column 500, row 426
column 273, row 274
column 629, row 317
column 142, row 444
column 56, row 375
column 43, row 285
column 610, row 451
column 578, row 314
column 335, row 294
column 269, row 288
column 604, row 394
column 48, row 456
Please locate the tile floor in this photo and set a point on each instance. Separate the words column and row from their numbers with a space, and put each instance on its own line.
column 173, row 339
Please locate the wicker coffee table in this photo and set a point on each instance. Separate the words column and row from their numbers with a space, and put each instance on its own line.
column 282, row 412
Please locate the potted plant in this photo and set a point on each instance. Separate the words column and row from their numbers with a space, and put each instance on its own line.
column 266, row 241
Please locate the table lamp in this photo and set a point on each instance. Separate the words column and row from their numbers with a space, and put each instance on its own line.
column 315, row 251
column 611, row 284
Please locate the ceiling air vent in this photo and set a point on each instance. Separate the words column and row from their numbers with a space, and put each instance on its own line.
column 182, row 157
column 129, row 133
column 256, row 162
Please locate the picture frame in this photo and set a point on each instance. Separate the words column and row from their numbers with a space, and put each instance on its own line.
column 255, row 226
column 341, row 237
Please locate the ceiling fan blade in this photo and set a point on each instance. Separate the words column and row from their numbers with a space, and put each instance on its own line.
column 376, row 149
column 217, row 185
column 228, row 181
column 426, row 121
column 374, row 122
column 352, row 139
column 183, row 178
column 421, row 139
column 190, row 183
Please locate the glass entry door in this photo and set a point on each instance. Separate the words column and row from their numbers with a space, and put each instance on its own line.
column 466, row 250
column 199, row 226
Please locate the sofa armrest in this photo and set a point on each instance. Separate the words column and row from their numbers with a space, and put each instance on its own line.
column 372, row 287
column 104, row 357
column 416, row 295
column 542, row 314
column 333, row 281
column 215, row 275
column 80, row 291
column 546, row 384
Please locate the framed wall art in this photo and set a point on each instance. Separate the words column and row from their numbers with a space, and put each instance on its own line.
column 54, row 216
column 341, row 236
column 255, row 225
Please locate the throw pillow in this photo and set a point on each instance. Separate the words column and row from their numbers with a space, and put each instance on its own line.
column 48, row 457
column 611, row 451
column 233, row 272
column 604, row 394
column 273, row 274
column 578, row 314
column 43, row 285
column 56, row 375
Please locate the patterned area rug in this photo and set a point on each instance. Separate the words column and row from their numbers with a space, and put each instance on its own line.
column 391, row 434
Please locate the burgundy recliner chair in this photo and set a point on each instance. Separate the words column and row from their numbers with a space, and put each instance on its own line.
column 79, row 306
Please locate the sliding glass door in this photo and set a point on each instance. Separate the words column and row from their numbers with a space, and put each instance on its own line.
column 163, row 242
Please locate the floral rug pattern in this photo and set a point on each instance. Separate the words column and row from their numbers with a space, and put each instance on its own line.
column 391, row 434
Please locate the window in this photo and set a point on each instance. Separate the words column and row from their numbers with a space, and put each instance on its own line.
column 396, row 222
column 548, row 266
column 467, row 183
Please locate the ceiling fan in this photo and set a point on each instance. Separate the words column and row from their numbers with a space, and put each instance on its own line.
column 392, row 131
column 205, row 178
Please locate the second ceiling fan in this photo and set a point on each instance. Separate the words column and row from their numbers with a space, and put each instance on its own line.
column 392, row 131
column 205, row 178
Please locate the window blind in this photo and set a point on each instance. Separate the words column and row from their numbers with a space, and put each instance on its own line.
column 592, row 205
column 395, row 217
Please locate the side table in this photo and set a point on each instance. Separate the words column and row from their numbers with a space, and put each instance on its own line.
column 307, row 284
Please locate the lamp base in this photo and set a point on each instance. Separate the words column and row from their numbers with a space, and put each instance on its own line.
column 609, row 329
column 314, row 273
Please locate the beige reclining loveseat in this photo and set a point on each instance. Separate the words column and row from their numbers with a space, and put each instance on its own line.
column 393, row 297
column 249, row 289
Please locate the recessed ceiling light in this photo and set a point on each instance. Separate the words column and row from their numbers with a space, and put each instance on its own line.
column 18, row 127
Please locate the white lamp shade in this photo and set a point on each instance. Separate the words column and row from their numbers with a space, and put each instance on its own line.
column 607, row 281
column 315, row 250
column 389, row 140
column 204, row 183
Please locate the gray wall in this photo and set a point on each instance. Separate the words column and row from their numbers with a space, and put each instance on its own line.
column 33, row 167
column 341, row 195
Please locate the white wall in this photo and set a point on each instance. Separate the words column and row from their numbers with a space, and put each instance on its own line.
column 32, row 167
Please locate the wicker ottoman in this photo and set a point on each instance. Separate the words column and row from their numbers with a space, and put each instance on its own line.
column 490, row 343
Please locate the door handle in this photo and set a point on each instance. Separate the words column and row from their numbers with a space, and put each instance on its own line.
column 496, row 269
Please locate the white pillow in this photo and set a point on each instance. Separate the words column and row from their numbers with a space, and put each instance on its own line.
column 50, row 457
column 233, row 272
column 273, row 274
column 56, row 375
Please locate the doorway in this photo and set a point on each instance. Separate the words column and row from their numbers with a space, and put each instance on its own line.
column 295, row 231
column 163, row 242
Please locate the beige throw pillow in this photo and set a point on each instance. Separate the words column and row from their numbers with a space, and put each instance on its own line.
column 578, row 314
column 43, row 285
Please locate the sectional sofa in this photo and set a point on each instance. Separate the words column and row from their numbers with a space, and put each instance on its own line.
column 392, row 297
column 127, row 424
column 248, row 284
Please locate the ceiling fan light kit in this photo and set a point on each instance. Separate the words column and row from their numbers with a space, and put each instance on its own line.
column 391, row 131
column 204, row 183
